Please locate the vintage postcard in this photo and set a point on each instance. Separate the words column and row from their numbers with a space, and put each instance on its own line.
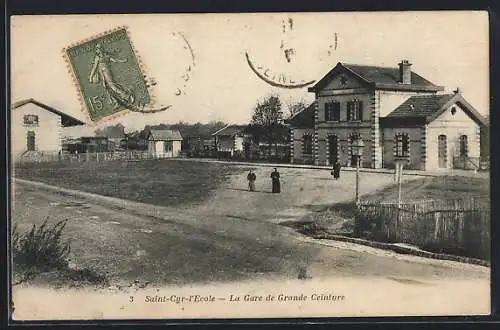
column 271, row 165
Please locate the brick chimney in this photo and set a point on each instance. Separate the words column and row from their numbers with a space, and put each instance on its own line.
column 405, row 72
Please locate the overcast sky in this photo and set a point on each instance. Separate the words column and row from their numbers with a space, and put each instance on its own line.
column 448, row 48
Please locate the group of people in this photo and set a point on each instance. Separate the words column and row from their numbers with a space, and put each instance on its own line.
column 275, row 178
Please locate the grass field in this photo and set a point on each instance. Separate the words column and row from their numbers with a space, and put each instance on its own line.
column 441, row 187
column 157, row 182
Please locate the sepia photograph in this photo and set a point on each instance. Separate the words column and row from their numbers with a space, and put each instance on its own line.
column 249, row 165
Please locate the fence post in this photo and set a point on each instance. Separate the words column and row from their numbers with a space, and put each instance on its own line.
column 436, row 226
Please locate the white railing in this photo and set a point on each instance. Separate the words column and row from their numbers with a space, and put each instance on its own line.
column 85, row 157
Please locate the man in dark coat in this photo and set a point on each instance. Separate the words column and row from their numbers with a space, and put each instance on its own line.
column 336, row 170
column 251, row 177
column 275, row 177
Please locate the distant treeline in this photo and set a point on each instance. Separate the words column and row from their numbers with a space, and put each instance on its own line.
column 137, row 139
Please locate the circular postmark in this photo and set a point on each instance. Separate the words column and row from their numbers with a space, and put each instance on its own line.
column 283, row 55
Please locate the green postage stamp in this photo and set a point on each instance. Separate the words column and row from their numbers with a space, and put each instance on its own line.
column 109, row 75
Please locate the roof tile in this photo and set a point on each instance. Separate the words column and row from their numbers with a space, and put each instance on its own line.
column 164, row 135
column 421, row 106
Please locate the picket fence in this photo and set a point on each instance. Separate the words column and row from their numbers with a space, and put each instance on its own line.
column 85, row 157
column 448, row 225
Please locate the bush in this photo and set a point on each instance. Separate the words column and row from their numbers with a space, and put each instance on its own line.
column 41, row 248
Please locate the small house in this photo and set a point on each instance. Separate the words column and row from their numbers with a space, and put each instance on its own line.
column 229, row 140
column 164, row 143
column 38, row 128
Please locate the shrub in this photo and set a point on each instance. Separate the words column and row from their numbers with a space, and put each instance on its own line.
column 41, row 248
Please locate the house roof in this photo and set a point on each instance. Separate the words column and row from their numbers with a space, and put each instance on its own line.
column 387, row 78
column 230, row 130
column 429, row 107
column 66, row 120
column 303, row 118
column 164, row 135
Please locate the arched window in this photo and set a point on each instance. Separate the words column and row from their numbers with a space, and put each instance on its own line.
column 402, row 145
column 464, row 150
column 308, row 144
column 442, row 151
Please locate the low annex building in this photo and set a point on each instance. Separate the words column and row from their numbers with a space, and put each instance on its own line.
column 395, row 111
column 164, row 143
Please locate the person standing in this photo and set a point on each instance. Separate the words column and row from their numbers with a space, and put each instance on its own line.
column 275, row 177
column 336, row 170
column 251, row 177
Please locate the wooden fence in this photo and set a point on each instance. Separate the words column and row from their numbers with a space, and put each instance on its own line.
column 471, row 163
column 85, row 157
column 453, row 225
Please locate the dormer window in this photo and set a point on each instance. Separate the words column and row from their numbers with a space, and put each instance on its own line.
column 355, row 110
column 31, row 120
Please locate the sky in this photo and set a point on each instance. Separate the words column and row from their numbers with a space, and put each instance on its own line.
column 448, row 48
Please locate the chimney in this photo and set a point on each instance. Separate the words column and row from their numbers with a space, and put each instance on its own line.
column 405, row 72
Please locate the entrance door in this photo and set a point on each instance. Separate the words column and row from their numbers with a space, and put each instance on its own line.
column 442, row 151
column 354, row 160
column 31, row 141
column 333, row 144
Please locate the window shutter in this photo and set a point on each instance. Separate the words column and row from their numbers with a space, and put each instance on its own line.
column 349, row 107
column 336, row 111
column 327, row 106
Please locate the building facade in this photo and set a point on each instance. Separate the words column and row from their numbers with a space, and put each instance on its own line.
column 395, row 111
column 229, row 140
column 37, row 128
column 164, row 143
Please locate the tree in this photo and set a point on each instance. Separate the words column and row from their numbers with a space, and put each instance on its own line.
column 296, row 107
column 117, row 130
column 267, row 123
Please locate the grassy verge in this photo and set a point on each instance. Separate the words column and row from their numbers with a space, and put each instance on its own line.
column 41, row 256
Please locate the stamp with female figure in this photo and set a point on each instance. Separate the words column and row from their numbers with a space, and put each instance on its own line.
column 109, row 75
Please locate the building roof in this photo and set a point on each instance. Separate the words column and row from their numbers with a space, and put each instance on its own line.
column 230, row 130
column 386, row 78
column 429, row 107
column 66, row 120
column 164, row 135
column 303, row 118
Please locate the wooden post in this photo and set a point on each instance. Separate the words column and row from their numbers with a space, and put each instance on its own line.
column 400, row 172
column 357, row 181
column 436, row 225
column 97, row 157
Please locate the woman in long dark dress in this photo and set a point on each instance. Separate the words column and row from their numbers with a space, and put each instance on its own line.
column 336, row 170
column 275, row 176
